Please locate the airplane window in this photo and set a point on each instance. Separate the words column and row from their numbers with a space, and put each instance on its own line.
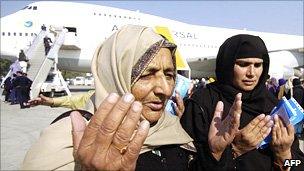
column 94, row 13
column 35, row 8
column 119, row 16
column 110, row 15
column 20, row 34
column 29, row 7
column 26, row 34
column 14, row 33
column 115, row 16
column 8, row 33
column 99, row 14
column 32, row 34
column 3, row 33
column 130, row 18
column 125, row 17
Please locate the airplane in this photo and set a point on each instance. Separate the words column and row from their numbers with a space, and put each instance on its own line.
column 88, row 25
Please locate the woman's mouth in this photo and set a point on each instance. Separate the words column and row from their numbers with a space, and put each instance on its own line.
column 248, row 82
column 155, row 106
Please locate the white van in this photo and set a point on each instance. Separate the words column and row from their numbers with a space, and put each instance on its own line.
column 89, row 81
column 78, row 81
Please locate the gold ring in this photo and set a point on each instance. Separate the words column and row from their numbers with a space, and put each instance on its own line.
column 122, row 150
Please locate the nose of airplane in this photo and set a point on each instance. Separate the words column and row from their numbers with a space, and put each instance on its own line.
column 11, row 41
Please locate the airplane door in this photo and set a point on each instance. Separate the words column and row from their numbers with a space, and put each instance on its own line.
column 71, row 40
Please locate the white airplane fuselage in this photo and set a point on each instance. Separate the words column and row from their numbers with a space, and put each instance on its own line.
column 197, row 44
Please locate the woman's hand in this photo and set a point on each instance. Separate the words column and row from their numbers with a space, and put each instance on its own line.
column 179, row 107
column 190, row 90
column 222, row 132
column 41, row 100
column 113, row 138
column 282, row 139
column 252, row 134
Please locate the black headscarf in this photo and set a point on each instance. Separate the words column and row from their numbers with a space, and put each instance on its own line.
column 200, row 107
column 256, row 101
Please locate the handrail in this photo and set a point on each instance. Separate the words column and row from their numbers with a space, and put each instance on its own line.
column 53, row 53
column 31, row 49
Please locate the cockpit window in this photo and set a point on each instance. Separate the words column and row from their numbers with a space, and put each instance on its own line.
column 30, row 7
column 24, row 7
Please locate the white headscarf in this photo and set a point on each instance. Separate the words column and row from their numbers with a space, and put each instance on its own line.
column 125, row 54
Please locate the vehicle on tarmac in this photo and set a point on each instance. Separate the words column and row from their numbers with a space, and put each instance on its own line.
column 53, row 86
column 78, row 81
column 89, row 81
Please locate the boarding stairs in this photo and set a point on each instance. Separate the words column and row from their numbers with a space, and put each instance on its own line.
column 36, row 56
column 40, row 65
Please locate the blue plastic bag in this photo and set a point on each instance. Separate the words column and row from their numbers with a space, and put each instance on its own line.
column 290, row 112
column 182, row 85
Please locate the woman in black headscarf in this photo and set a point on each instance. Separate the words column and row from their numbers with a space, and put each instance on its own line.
column 231, row 143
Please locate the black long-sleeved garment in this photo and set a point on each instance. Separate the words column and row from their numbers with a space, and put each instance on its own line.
column 196, row 121
column 166, row 158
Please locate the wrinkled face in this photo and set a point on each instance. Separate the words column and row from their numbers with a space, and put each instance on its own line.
column 247, row 72
column 155, row 85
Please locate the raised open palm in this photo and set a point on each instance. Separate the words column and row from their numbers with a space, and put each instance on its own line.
column 222, row 131
column 113, row 139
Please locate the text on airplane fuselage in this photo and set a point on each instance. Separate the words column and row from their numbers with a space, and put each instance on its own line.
column 187, row 35
column 178, row 34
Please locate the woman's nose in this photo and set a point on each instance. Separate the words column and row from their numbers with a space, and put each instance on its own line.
column 162, row 86
column 250, row 70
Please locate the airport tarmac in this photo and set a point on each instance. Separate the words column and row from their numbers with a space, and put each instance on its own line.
column 20, row 128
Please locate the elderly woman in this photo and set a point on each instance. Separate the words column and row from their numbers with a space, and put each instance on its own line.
column 134, row 73
column 231, row 143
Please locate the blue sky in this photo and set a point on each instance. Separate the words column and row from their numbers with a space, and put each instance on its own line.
column 269, row 16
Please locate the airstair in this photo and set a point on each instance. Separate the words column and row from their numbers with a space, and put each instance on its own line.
column 36, row 55
column 40, row 65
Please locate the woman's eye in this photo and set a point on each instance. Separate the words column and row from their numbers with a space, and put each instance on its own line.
column 257, row 65
column 145, row 77
column 242, row 64
column 169, row 76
